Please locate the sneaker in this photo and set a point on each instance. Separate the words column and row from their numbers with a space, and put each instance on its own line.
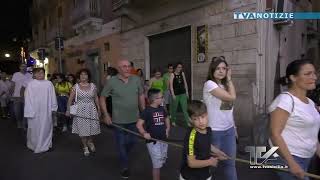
column 86, row 151
column 125, row 174
column 91, row 147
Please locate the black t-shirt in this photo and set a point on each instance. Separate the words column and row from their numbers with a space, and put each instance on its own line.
column 155, row 121
column 199, row 145
column 178, row 84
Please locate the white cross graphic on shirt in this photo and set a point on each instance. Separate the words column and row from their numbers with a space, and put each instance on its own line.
column 157, row 117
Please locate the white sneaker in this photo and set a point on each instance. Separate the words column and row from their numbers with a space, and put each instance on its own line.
column 86, row 151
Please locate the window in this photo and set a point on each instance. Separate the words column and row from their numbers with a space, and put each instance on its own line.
column 50, row 21
column 44, row 25
column 75, row 3
column 59, row 12
column 107, row 46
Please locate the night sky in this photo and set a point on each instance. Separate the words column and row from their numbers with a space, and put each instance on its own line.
column 15, row 22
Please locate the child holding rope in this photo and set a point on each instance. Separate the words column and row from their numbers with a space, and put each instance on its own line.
column 197, row 151
column 157, row 126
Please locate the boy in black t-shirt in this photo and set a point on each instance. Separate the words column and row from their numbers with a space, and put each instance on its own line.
column 197, row 151
column 157, row 125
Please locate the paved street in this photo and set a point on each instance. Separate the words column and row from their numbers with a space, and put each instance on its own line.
column 67, row 162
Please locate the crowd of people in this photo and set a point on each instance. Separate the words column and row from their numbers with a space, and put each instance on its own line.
column 150, row 108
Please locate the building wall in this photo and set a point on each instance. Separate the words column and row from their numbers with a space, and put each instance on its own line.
column 285, row 44
column 236, row 40
column 74, row 53
column 48, row 24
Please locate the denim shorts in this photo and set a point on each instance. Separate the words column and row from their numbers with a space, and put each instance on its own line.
column 167, row 97
column 158, row 153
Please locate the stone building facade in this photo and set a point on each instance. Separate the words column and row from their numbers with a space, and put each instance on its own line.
column 257, row 51
column 89, row 29
column 155, row 33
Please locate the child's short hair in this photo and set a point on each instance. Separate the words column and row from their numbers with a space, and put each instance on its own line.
column 152, row 94
column 196, row 108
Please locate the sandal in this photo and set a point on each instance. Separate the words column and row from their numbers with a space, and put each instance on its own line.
column 86, row 151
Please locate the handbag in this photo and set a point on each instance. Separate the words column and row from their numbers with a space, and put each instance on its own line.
column 74, row 107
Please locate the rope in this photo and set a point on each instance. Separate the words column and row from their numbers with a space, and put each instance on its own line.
column 180, row 146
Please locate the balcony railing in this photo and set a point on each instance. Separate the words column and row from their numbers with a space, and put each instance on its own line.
column 117, row 4
column 85, row 10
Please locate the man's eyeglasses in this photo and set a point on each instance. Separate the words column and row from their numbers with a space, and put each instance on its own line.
column 161, row 97
column 126, row 67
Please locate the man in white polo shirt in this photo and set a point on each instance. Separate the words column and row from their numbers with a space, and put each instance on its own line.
column 19, row 79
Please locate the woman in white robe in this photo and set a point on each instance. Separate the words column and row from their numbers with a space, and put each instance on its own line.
column 40, row 101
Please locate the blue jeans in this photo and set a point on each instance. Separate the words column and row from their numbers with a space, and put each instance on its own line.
column 303, row 163
column 62, row 107
column 18, row 108
column 226, row 142
column 125, row 142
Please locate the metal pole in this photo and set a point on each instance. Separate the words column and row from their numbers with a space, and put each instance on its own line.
column 59, row 39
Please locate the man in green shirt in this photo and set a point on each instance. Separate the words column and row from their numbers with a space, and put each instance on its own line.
column 166, row 79
column 127, row 96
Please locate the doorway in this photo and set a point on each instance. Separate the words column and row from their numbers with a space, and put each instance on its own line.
column 169, row 48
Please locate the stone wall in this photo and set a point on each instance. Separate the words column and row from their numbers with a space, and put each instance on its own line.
column 236, row 40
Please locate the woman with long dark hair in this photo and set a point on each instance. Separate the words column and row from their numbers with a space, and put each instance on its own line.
column 295, row 121
column 86, row 123
column 219, row 94
column 179, row 92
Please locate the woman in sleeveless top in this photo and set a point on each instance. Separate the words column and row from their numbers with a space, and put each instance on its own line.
column 87, row 110
column 179, row 92
column 156, row 81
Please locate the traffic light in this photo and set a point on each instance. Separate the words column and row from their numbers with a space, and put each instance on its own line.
column 41, row 54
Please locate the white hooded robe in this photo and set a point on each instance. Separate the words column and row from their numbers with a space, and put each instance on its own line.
column 40, row 101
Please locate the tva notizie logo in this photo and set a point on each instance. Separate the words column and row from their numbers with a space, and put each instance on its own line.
column 261, row 158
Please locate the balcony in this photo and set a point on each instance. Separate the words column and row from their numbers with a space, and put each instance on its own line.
column 137, row 4
column 86, row 16
column 313, row 29
column 117, row 4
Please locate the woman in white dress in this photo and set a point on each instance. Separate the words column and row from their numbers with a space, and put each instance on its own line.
column 86, row 121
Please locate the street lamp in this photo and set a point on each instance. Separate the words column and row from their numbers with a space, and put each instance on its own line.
column 7, row 55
